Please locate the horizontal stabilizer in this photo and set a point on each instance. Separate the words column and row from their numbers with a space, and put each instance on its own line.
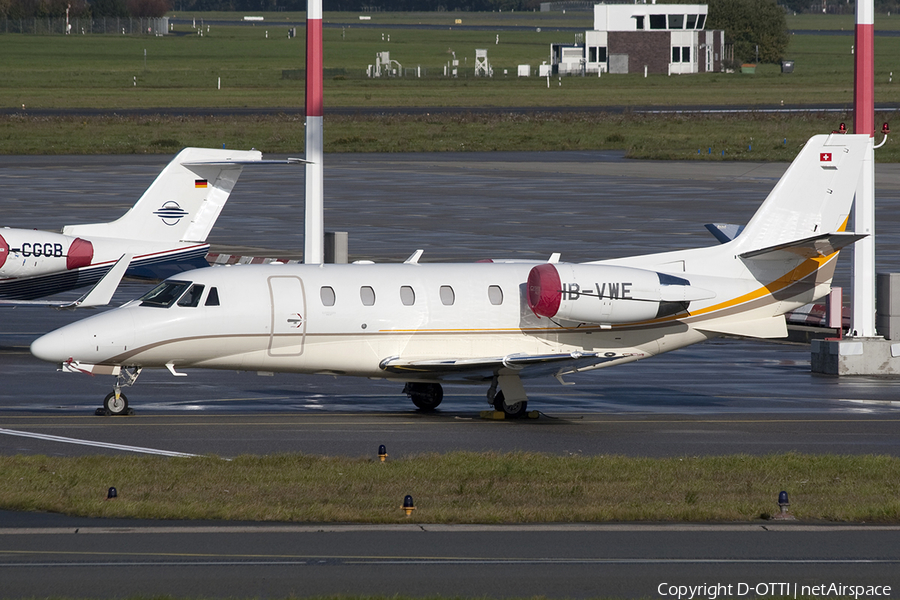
column 812, row 247
column 225, row 163
column 771, row 327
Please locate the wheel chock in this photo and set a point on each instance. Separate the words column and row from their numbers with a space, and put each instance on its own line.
column 534, row 414
column 493, row 415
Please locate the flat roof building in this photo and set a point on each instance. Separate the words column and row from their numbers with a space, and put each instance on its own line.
column 636, row 38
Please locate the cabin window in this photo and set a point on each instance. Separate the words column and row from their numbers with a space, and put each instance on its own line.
column 447, row 295
column 165, row 294
column 326, row 293
column 639, row 22
column 367, row 295
column 495, row 295
column 691, row 21
column 407, row 295
column 191, row 298
column 701, row 21
column 676, row 21
column 213, row 298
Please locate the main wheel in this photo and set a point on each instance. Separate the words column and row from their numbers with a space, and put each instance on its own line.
column 512, row 411
column 114, row 406
column 426, row 396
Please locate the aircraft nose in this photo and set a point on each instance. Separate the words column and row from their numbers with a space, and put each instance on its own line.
column 51, row 347
column 90, row 340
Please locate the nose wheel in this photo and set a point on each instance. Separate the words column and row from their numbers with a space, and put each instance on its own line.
column 116, row 403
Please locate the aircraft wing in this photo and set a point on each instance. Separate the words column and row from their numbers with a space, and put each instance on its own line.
column 99, row 295
column 477, row 369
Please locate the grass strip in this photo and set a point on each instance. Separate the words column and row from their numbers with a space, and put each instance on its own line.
column 458, row 487
column 748, row 137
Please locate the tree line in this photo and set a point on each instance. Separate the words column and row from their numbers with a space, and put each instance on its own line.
column 18, row 9
column 757, row 29
column 82, row 9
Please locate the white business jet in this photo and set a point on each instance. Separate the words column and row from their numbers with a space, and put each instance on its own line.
column 164, row 232
column 491, row 324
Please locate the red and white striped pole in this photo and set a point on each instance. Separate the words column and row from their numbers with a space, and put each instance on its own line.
column 864, row 82
column 863, row 274
column 314, row 224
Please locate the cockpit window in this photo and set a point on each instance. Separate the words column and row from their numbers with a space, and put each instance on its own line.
column 213, row 298
column 165, row 294
column 191, row 298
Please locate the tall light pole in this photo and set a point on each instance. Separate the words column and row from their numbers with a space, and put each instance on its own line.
column 314, row 225
column 863, row 274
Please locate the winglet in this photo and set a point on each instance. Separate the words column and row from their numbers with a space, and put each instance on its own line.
column 103, row 290
column 414, row 257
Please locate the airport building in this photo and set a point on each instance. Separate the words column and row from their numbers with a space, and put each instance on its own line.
column 665, row 39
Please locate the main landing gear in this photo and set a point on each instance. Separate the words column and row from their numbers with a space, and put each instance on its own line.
column 426, row 396
column 116, row 403
column 510, row 399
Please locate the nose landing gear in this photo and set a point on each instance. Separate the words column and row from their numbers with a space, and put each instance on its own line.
column 116, row 403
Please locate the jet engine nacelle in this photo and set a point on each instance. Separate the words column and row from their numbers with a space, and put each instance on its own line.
column 26, row 252
column 605, row 294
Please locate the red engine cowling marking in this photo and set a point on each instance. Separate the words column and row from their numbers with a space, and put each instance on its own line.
column 4, row 251
column 544, row 290
column 80, row 254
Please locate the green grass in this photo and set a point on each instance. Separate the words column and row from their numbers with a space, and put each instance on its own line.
column 459, row 487
column 110, row 72
column 752, row 137
column 101, row 71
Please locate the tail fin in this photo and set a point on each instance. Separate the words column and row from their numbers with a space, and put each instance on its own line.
column 812, row 200
column 184, row 201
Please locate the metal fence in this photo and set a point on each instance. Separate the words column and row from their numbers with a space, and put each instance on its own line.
column 103, row 25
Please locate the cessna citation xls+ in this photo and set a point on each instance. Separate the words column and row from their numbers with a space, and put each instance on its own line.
column 492, row 324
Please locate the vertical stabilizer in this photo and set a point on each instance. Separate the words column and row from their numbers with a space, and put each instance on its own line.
column 813, row 197
column 184, row 201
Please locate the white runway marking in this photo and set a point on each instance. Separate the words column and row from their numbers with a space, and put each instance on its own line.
column 66, row 440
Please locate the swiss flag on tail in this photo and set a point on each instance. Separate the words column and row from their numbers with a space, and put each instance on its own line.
column 824, row 157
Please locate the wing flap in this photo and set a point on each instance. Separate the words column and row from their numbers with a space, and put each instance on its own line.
column 485, row 368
